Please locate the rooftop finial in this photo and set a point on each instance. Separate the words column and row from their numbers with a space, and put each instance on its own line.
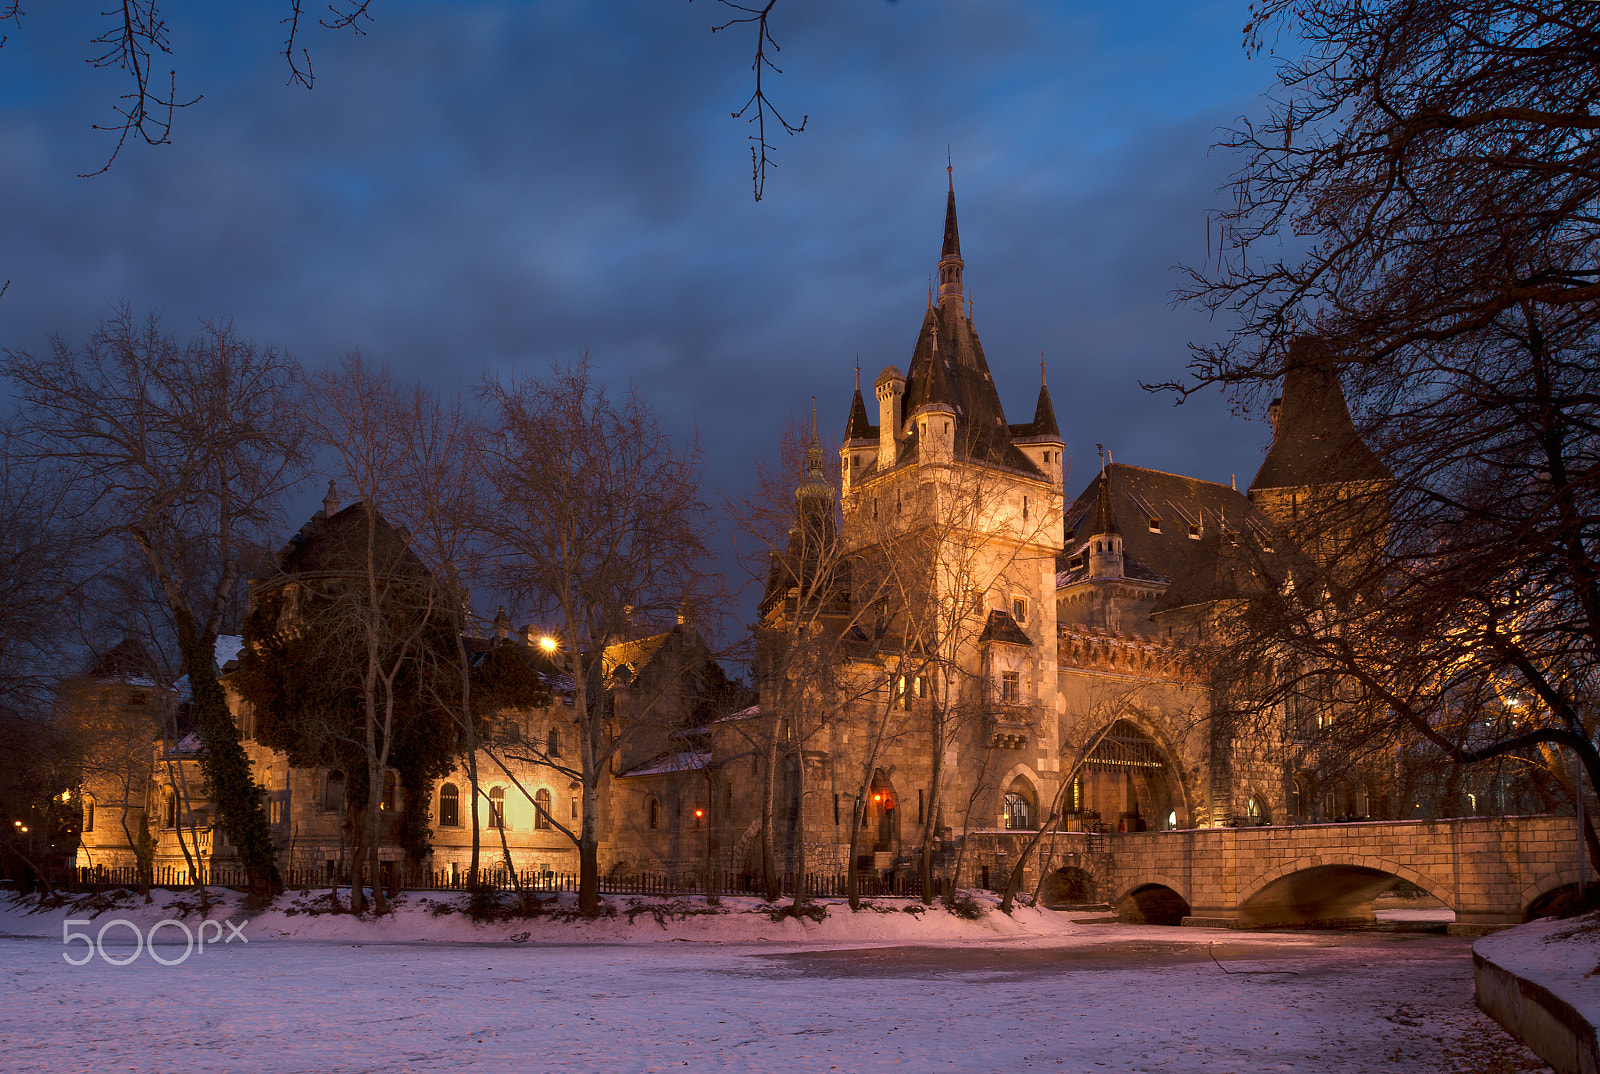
column 1042, row 381
column 330, row 502
column 950, row 168
column 858, row 373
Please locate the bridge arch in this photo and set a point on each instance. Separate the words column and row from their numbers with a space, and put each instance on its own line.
column 1153, row 899
column 1545, row 887
column 1328, row 888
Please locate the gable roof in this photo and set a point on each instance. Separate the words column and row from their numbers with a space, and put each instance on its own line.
column 1135, row 496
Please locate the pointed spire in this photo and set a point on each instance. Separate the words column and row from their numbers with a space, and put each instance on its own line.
column 330, row 502
column 858, row 372
column 950, row 257
column 815, row 485
column 1044, row 412
column 1105, row 519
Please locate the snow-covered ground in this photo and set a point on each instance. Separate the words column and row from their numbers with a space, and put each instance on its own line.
column 735, row 991
column 1563, row 956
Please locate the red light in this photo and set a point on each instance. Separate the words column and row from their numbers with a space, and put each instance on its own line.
column 699, row 813
column 877, row 797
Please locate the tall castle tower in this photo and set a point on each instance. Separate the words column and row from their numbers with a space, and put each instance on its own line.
column 955, row 516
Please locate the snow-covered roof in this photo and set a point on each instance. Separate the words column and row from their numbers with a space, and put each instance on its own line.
column 688, row 761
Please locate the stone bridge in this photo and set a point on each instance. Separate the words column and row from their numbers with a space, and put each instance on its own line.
column 1489, row 870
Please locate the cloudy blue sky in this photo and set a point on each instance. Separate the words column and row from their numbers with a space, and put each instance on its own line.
column 497, row 186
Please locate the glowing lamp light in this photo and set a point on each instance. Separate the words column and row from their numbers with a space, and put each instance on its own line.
column 548, row 644
column 699, row 813
column 877, row 797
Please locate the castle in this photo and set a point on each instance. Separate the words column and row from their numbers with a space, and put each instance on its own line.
column 952, row 658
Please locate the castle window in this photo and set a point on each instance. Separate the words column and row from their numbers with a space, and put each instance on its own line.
column 574, row 807
column 1155, row 525
column 169, row 814
column 449, row 806
column 1017, row 812
column 902, row 697
column 1024, row 508
column 497, row 808
column 1019, row 609
column 1194, row 533
column 541, row 813
column 553, row 742
column 333, row 791
column 391, row 792
column 652, row 811
column 1011, row 687
column 1074, row 562
column 88, row 813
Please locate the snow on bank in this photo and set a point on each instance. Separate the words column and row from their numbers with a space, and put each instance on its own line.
column 1561, row 956
column 421, row 917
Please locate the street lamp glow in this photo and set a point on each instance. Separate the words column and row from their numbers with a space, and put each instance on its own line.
column 548, row 644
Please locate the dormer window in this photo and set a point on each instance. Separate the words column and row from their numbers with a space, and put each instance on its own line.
column 1155, row 525
column 1075, row 562
column 1194, row 533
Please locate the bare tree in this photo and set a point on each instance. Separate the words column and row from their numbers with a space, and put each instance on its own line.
column 595, row 519
column 186, row 450
column 1440, row 162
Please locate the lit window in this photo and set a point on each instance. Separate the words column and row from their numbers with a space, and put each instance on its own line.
column 541, row 813
column 88, row 814
column 497, row 808
column 1194, row 533
column 449, row 806
column 1155, row 525
column 391, row 793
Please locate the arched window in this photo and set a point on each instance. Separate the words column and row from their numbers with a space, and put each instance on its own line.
column 391, row 792
column 1256, row 809
column 169, row 814
column 553, row 742
column 1018, row 813
column 88, row 813
column 652, row 809
column 497, row 808
column 541, row 813
column 449, row 806
column 333, row 791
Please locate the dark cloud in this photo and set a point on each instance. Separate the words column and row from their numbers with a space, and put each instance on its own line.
column 498, row 186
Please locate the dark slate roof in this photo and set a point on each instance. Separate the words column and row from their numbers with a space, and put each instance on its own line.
column 339, row 545
column 1227, row 565
column 1001, row 627
column 952, row 234
column 859, row 427
column 1314, row 441
column 1135, row 495
column 1044, row 418
column 128, row 661
column 948, row 366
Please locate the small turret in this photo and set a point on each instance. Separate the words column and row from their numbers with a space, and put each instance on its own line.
column 891, row 388
column 1105, row 539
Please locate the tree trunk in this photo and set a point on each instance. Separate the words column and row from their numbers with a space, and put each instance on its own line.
column 227, row 768
column 799, row 822
column 769, row 856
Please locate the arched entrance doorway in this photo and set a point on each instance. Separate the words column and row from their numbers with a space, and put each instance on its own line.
column 880, row 828
column 1127, row 784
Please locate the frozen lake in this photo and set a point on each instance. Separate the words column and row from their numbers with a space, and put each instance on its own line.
column 1112, row 997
